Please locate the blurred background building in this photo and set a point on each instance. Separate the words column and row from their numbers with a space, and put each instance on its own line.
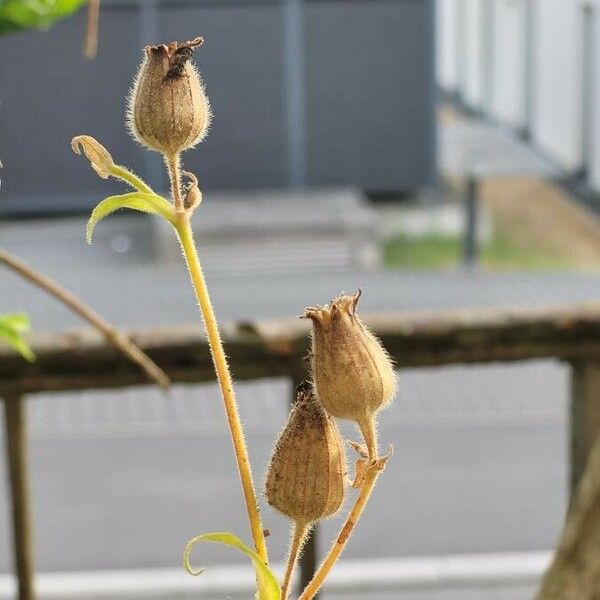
column 304, row 94
column 439, row 155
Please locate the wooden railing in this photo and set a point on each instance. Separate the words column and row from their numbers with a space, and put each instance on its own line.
column 273, row 348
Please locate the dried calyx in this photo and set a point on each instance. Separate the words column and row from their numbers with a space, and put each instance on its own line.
column 305, row 479
column 193, row 195
column 353, row 374
column 97, row 154
column 169, row 111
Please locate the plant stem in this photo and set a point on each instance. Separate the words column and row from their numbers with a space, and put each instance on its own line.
column 340, row 543
column 184, row 231
column 173, row 168
column 87, row 313
column 299, row 531
column 130, row 178
column 369, row 433
column 90, row 43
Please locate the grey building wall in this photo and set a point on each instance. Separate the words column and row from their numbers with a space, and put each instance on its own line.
column 347, row 100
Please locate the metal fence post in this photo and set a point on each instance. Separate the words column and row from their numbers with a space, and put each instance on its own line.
column 308, row 561
column 470, row 250
column 16, row 448
column 585, row 416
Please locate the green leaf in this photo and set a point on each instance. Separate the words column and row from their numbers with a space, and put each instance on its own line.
column 12, row 328
column 268, row 588
column 149, row 203
column 34, row 14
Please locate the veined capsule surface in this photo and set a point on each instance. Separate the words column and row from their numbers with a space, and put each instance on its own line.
column 168, row 108
column 353, row 374
column 305, row 478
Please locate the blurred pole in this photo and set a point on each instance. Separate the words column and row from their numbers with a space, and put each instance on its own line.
column 295, row 91
column 530, row 70
column 588, row 96
column 470, row 246
column 308, row 561
column 585, row 416
column 16, row 448
column 461, row 49
column 487, row 54
column 308, row 558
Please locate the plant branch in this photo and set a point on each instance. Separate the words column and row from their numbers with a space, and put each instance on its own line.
column 173, row 168
column 340, row 542
column 90, row 42
column 369, row 433
column 186, row 239
column 87, row 313
column 130, row 178
column 299, row 532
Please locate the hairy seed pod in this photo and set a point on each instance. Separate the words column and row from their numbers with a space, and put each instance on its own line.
column 353, row 374
column 305, row 478
column 168, row 109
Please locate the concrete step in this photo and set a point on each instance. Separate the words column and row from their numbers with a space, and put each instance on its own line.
column 266, row 232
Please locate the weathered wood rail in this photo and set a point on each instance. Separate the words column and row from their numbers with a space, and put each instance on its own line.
column 80, row 359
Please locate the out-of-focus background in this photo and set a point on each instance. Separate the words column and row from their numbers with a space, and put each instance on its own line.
column 438, row 155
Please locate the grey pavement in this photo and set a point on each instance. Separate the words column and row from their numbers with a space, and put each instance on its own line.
column 136, row 294
column 483, row 593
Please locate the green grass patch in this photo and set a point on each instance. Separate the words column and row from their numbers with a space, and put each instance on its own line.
column 436, row 251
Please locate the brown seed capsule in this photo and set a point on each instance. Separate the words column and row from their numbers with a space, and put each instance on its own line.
column 353, row 374
column 168, row 109
column 305, row 479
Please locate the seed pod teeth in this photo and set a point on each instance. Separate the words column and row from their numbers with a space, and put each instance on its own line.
column 353, row 373
column 168, row 108
column 305, row 478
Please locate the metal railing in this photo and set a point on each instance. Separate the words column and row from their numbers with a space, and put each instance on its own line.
column 276, row 348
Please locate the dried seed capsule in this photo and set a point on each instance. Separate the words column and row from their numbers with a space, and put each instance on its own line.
column 353, row 374
column 305, row 479
column 168, row 109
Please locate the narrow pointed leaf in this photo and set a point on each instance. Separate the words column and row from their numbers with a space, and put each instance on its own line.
column 268, row 588
column 149, row 203
column 12, row 328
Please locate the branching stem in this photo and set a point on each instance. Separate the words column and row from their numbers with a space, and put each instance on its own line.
column 184, row 231
column 90, row 43
column 369, row 433
column 174, row 170
column 130, row 178
column 87, row 313
column 299, row 532
column 374, row 468
column 342, row 539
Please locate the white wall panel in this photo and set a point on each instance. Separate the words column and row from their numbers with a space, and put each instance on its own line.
column 447, row 44
column 557, row 101
column 594, row 113
column 472, row 85
column 508, row 95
